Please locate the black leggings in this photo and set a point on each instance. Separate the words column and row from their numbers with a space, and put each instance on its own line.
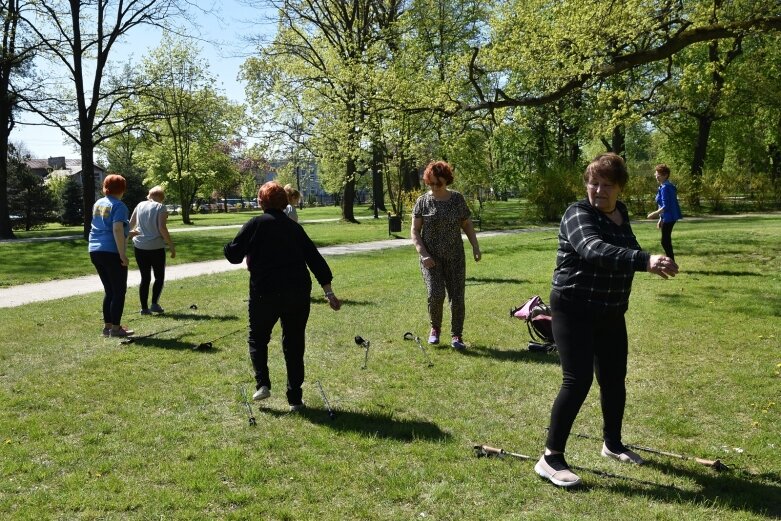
column 588, row 343
column 148, row 261
column 113, row 275
column 667, row 241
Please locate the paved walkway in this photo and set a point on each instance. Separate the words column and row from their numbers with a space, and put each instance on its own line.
column 171, row 230
column 38, row 292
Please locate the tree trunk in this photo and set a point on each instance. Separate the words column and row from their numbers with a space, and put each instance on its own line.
column 704, row 124
column 378, row 194
column 5, row 220
column 618, row 140
column 349, row 192
column 87, row 179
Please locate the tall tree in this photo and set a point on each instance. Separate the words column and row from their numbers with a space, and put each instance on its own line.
column 191, row 122
column 320, row 63
column 80, row 36
column 16, row 55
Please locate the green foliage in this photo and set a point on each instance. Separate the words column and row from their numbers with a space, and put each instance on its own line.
column 72, row 209
column 28, row 198
column 551, row 192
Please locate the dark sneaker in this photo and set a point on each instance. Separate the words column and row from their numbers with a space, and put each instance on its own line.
column 625, row 456
column 146, row 311
column 106, row 331
column 553, row 467
column 433, row 337
column 156, row 308
column 121, row 332
column 262, row 393
column 297, row 407
column 458, row 343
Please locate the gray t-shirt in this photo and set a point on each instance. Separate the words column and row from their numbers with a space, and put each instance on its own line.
column 147, row 222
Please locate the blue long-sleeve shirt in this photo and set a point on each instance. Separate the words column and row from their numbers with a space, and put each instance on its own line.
column 667, row 200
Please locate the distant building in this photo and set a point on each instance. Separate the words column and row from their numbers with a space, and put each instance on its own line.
column 57, row 167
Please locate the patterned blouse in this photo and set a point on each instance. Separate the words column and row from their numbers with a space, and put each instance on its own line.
column 597, row 258
column 441, row 232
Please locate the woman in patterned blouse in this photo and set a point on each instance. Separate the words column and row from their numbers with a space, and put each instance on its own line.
column 437, row 220
column 597, row 257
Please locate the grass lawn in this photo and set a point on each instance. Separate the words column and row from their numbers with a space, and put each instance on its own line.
column 26, row 262
column 92, row 429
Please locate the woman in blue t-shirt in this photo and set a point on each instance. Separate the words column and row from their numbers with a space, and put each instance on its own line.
column 107, row 250
column 669, row 212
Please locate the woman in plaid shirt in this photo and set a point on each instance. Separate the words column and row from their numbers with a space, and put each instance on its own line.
column 597, row 257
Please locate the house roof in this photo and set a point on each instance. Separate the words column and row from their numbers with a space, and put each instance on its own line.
column 74, row 165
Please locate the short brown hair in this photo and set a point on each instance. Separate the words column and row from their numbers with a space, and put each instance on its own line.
column 663, row 169
column 438, row 169
column 272, row 195
column 610, row 166
column 114, row 184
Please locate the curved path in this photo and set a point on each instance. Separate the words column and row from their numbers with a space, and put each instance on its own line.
column 55, row 289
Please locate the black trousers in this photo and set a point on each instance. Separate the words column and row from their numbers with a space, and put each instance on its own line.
column 589, row 343
column 113, row 275
column 667, row 241
column 292, row 310
column 149, row 261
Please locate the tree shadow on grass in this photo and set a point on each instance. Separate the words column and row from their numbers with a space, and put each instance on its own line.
column 722, row 273
column 476, row 281
column 519, row 354
column 374, row 425
column 728, row 489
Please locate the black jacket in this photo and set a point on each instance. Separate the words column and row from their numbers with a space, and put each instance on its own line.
column 279, row 252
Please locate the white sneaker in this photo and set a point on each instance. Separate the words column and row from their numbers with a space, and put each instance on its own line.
column 262, row 393
column 626, row 457
column 563, row 477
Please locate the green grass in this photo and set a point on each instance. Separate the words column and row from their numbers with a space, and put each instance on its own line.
column 26, row 262
column 154, row 430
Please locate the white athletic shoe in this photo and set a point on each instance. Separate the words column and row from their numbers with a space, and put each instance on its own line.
column 262, row 393
column 626, row 457
column 563, row 477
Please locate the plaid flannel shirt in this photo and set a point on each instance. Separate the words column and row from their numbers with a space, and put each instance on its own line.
column 596, row 260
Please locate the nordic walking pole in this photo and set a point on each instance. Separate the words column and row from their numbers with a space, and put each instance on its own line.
column 486, row 451
column 252, row 421
column 365, row 345
column 714, row 464
column 331, row 413
column 409, row 336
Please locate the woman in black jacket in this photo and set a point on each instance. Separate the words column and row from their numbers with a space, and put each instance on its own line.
column 279, row 256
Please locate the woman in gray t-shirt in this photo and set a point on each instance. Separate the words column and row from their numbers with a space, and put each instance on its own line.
column 150, row 237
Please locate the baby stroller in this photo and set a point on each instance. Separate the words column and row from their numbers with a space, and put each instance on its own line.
column 537, row 316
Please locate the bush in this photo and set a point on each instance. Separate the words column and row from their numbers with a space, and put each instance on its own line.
column 550, row 193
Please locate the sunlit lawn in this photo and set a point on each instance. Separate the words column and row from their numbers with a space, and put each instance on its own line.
column 92, row 429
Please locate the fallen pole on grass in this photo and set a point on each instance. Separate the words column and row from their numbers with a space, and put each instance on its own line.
column 714, row 464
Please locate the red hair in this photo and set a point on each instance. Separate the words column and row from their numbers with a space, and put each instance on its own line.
column 272, row 195
column 114, row 184
column 438, row 169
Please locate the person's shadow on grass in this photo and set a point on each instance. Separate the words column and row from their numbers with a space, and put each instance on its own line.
column 515, row 354
column 733, row 489
column 371, row 424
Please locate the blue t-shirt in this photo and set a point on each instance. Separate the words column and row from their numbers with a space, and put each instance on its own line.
column 667, row 198
column 107, row 211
